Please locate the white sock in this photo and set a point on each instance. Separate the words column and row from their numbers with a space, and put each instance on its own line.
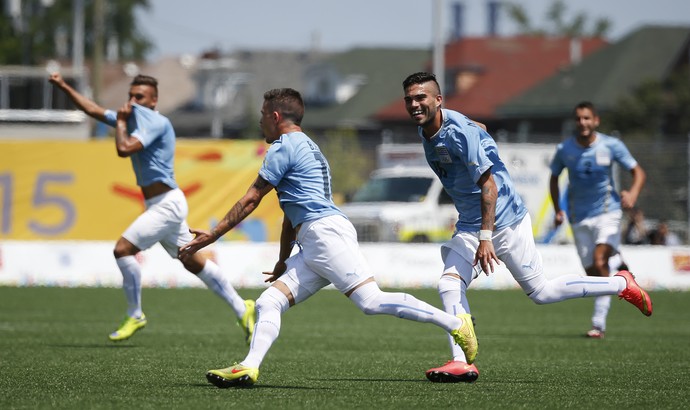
column 576, row 286
column 452, row 292
column 131, row 284
column 269, row 308
column 372, row 301
column 220, row 284
column 601, row 310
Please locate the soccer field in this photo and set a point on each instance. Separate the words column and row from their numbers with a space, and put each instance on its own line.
column 54, row 353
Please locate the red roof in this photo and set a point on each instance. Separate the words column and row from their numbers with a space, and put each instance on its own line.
column 504, row 67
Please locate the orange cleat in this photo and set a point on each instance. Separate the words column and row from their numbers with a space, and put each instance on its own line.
column 453, row 372
column 634, row 294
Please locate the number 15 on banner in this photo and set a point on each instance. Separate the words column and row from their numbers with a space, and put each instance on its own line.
column 40, row 199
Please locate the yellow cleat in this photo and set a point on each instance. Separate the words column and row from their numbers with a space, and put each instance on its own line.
column 233, row 376
column 248, row 320
column 466, row 338
column 128, row 328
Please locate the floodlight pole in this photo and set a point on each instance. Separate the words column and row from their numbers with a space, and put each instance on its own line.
column 78, row 41
column 439, row 43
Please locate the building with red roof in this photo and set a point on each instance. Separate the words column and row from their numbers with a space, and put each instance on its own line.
column 484, row 72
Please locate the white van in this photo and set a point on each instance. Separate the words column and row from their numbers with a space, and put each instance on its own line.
column 402, row 204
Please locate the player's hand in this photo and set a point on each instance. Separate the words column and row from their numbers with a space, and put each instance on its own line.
column 201, row 240
column 56, row 79
column 125, row 111
column 559, row 218
column 486, row 256
column 628, row 200
column 278, row 270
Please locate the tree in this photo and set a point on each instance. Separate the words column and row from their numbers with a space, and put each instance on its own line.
column 654, row 108
column 42, row 30
column 556, row 24
column 654, row 121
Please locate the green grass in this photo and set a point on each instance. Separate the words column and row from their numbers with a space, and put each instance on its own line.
column 54, row 353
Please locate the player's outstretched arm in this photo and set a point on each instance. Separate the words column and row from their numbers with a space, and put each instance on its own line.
column 88, row 106
column 245, row 206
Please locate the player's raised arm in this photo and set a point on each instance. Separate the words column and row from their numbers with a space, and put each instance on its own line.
column 88, row 106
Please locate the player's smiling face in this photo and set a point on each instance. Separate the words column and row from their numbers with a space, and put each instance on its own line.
column 586, row 122
column 422, row 102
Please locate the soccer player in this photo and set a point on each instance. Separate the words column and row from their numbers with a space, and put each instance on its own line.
column 493, row 224
column 148, row 138
column 594, row 206
column 328, row 250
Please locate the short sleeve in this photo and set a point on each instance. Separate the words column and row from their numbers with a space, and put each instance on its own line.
column 276, row 163
column 556, row 163
column 623, row 155
column 147, row 125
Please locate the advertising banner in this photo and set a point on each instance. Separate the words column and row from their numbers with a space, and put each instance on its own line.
column 81, row 190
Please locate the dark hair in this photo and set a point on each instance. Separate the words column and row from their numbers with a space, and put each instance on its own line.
column 421, row 78
column 287, row 102
column 146, row 80
column 588, row 105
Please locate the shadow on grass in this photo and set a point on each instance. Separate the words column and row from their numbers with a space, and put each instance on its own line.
column 92, row 346
column 254, row 387
column 371, row 380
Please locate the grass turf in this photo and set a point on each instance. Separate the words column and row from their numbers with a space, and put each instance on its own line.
column 54, row 353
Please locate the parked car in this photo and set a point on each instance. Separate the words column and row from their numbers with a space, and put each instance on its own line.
column 402, row 204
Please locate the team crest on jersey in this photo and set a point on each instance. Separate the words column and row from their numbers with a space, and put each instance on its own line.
column 443, row 154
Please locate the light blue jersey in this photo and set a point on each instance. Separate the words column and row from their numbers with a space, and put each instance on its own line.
column 459, row 154
column 155, row 162
column 591, row 190
column 295, row 166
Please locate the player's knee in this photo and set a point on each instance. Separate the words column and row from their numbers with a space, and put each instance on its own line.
column 449, row 283
column 120, row 251
column 367, row 306
column 601, row 266
column 540, row 297
column 272, row 298
column 365, row 298
column 124, row 248
column 195, row 264
column 369, row 309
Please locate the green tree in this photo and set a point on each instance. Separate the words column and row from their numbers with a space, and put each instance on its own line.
column 44, row 31
column 556, row 22
column 654, row 121
column 350, row 167
column 654, row 108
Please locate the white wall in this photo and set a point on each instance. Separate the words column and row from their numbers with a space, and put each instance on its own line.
column 67, row 264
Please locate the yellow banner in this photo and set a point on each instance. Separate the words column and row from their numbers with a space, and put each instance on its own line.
column 81, row 190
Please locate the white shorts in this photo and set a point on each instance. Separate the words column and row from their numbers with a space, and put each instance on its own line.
column 329, row 254
column 600, row 229
column 514, row 246
column 164, row 221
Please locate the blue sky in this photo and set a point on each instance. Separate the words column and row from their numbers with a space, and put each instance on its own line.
column 178, row 27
